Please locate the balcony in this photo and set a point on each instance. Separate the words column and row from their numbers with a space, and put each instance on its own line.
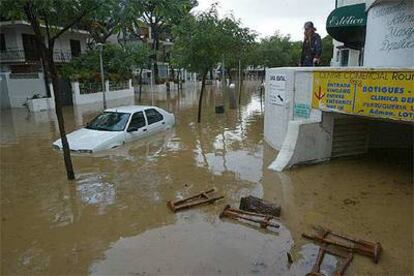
column 18, row 55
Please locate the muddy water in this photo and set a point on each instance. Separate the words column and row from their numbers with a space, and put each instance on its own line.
column 113, row 218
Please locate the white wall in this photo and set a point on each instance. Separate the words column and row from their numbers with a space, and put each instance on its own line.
column 21, row 89
column 278, row 116
column 390, row 35
column 79, row 99
column 349, row 2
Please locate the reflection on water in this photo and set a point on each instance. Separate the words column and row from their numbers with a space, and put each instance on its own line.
column 198, row 247
column 93, row 190
column 113, row 217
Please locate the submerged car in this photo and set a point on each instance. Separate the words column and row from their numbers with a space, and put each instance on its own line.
column 117, row 126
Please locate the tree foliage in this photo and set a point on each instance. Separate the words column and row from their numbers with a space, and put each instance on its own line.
column 49, row 20
column 160, row 16
column 119, row 63
column 327, row 51
column 110, row 18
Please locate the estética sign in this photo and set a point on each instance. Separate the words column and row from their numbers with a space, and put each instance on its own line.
column 353, row 15
column 378, row 94
column 347, row 24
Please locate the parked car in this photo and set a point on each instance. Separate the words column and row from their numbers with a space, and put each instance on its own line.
column 117, row 126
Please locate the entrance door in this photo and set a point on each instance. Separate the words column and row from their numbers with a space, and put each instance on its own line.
column 65, row 92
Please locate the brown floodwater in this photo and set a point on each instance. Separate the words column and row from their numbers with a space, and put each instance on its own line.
column 113, row 219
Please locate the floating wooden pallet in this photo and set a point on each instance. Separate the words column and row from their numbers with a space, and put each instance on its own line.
column 193, row 201
column 328, row 237
column 263, row 220
column 346, row 260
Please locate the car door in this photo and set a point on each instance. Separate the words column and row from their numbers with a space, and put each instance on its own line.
column 156, row 121
column 137, row 127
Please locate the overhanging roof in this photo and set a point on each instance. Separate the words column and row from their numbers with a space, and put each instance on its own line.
column 347, row 24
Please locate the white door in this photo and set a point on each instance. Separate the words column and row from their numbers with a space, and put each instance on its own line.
column 156, row 121
column 137, row 127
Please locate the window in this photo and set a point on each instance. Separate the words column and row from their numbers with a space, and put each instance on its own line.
column 344, row 58
column 2, row 43
column 75, row 48
column 153, row 116
column 138, row 120
column 30, row 47
column 109, row 121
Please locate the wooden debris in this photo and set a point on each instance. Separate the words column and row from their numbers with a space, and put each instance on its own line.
column 263, row 220
column 328, row 237
column 257, row 205
column 346, row 260
column 193, row 201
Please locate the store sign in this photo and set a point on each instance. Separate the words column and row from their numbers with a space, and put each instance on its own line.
column 347, row 16
column 277, row 89
column 338, row 21
column 379, row 94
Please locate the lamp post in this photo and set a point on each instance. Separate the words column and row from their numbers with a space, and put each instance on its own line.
column 100, row 45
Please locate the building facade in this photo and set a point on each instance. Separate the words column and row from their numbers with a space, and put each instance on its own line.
column 21, row 67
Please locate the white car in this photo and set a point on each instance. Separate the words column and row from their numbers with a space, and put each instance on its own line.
column 117, row 126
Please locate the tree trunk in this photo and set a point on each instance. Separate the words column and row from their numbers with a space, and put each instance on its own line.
column 229, row 74
column 200, row 101
column 232, row 98
column 240, row 82
column 155, row 49
column 140, row 85
column 178, row 79
column 58, row 103
column 261, row 83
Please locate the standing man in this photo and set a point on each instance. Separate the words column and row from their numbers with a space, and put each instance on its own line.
column 311, row 47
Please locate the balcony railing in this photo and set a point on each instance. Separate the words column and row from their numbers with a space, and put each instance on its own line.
column 12, row 55
column 20, row 55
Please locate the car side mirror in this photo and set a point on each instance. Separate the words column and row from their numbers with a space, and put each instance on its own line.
column 131, row 129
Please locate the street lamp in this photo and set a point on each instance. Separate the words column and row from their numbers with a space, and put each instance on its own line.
column 100, row 46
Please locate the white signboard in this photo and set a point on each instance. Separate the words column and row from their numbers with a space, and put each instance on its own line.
column 277, row 89
column 390, row 35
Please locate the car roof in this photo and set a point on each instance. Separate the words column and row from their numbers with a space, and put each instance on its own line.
column 129, row 108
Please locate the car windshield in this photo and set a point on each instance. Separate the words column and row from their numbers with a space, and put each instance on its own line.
column 109, row 121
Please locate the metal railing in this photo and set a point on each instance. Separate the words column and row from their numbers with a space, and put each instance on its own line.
column 118, row 85
column 24, row 75
column 20, row 55
column 90, row 87
column 11, row 55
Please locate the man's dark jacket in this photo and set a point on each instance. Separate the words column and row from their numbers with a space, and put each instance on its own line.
column 311, row 50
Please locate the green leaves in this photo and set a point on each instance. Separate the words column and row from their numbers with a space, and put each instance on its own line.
column 203, row 40
column 119, row 62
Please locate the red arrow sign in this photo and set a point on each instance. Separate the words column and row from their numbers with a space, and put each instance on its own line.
column 320, row 95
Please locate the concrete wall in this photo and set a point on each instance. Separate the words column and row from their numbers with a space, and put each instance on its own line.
column 306, row 135
column 19, row 90
column 349, row 2
column 277, row 116
column 79, row 99
column 4, row 93
column 390, row 35
column 42, row 104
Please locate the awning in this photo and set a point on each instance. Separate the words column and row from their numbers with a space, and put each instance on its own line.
column 347, row 24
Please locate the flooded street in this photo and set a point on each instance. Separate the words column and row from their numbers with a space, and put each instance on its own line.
column 113, row 219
